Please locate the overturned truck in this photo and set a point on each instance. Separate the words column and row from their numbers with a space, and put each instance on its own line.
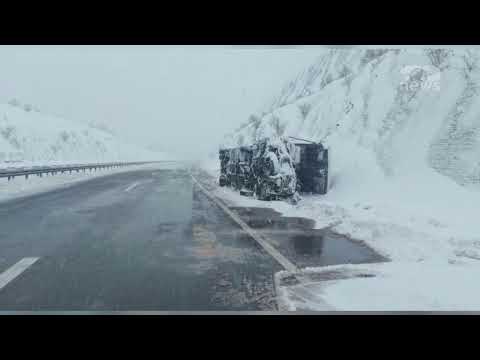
column 275, row 169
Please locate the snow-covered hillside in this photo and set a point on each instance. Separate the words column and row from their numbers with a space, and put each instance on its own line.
column 403, row 128
column 407, row 107
column 32, row 137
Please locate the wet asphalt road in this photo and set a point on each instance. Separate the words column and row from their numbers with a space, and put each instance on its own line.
column 149, row 240
column 135, row 241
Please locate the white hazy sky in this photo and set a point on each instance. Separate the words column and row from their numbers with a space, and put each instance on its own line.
column 182, row 99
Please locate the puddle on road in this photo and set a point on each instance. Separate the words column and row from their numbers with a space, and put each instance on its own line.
column 297, row 239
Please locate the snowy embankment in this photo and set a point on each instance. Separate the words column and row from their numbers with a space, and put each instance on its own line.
column 30, row 138
column 403, row 129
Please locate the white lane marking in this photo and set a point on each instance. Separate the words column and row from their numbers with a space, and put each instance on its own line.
column 287, row 264
column 12, row 272
column 134, row 185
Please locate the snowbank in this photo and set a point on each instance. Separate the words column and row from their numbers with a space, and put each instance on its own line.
column 393, row 286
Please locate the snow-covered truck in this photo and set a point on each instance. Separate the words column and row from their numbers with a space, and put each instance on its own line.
column 274, row 169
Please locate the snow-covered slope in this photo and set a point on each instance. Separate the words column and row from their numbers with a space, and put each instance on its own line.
column 403, row 128
column 32, row 137
column 407, row 108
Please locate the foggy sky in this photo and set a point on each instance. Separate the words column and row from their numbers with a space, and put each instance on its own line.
column 181, row 99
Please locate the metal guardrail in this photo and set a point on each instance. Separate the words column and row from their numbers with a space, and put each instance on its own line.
column 41, row 170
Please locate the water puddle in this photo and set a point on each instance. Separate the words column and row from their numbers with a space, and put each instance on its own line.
column 297, row 239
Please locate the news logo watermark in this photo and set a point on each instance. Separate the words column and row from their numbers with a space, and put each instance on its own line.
column 420, row 77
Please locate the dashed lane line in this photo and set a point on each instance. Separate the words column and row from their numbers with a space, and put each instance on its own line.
column 131, row 187
column 15, row 270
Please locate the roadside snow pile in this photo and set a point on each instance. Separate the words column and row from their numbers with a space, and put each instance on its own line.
column 393, row 286
column 30, row 138
column 403, row 132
